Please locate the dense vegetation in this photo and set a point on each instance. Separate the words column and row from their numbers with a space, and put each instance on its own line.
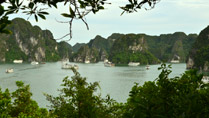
column 179, row 97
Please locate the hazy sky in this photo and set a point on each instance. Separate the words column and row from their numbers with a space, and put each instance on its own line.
column 169, row 16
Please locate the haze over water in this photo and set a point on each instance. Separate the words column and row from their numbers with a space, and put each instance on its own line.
column 47, row 78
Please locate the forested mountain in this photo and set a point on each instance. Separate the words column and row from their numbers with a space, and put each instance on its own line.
column 77, row 46
column 100, row 43
column 199, row 54
column 65, row 50
column 98, row 50
column 131, row 48
column 30, row 43
column 86, row 54
column 165, row 47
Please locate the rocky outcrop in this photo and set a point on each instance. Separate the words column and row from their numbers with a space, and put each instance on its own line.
column 29, row 43
column 138, row 45
column 2, row 50
column 77, row 46
column 131, row 48
column 190, row 63
column 86, row 55
column 199, row 53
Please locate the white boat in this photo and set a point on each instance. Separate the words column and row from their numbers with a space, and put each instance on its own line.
column 9, row 70
column 174, row 61
column 18, row 61
column 133, row 63
column 69, row 66
column 34, row 63
column 106, row 60
column 87, row 62
column 147, row 67
column 108, row 64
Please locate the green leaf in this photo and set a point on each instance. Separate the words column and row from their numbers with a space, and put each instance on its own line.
column 31, row 5
column 100, row 7
column 36, row 17
column 71, row 12
column 46, row 13
column 67, row 15
column 1, row 10
column 42, row 16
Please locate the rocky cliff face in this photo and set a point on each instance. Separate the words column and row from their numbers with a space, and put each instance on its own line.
column 165, row 47
column 28, row 43
column 77, row 46
column 96, row 50
column 131, row 48
column 86, row 55
column 199, row 54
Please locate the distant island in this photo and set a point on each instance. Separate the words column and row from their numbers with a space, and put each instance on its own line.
column 146, row 49
column 31, row 43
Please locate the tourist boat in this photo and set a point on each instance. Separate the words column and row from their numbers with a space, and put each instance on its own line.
column 147, row 67
column 87, row 62
column 18, row 61
column 69, row 66
column 106, row 60
column 34, row 63
column 174, row 61
column 108, row 64
column 133, row 63
column 9, row 70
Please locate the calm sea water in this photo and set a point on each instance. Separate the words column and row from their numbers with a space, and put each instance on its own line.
column 46, row 78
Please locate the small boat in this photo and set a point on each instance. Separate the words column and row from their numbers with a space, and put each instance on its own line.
column 34, row 63
column 17, row 61
column 133, row 63
column 147, row 67
column 175, row 61
column 9, row 70
column 69, row 66
column 87, row 62
column 108, row 64
column 106, row 60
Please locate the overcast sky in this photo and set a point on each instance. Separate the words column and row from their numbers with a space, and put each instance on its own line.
column 169, row 16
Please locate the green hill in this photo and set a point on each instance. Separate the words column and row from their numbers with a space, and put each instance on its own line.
column 199, row 54
column 29, row 43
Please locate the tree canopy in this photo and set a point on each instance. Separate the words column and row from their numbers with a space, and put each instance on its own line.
column 78, row 9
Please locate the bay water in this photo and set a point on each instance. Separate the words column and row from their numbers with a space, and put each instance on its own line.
column 47, row 78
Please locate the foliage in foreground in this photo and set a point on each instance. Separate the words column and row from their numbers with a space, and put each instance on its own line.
column 19, row 103
column 78, row 99
column 179, row 97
